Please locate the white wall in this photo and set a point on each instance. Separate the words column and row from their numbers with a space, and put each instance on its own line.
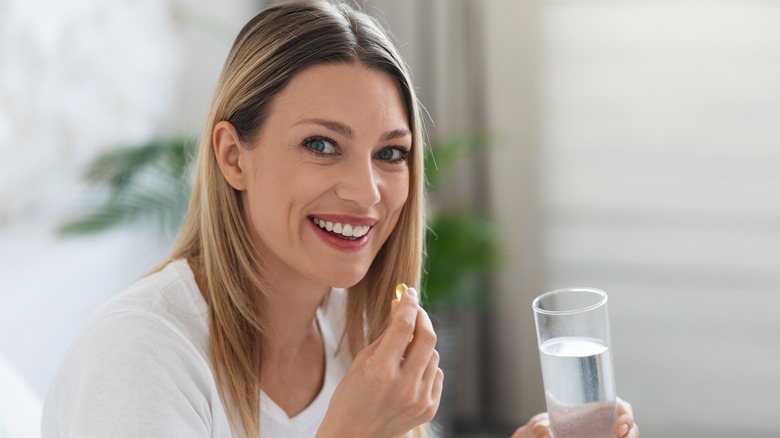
column 661, row 184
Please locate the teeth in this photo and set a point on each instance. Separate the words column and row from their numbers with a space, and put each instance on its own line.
column 346, row 230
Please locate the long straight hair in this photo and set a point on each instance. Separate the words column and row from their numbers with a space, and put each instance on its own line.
column 268, row 52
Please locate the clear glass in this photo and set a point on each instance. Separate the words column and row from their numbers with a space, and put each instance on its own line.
column 572, row 327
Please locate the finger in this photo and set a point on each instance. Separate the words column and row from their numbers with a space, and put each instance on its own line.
column 526, row 431
column 542, row 418
column 520, row 432
column 624, row 408
column 623, row 426
column 540, row 425
column 625, row 423
column 401, row 328
column 541, row 430
column 419, row 350
column 438, row 384
column 430, row 372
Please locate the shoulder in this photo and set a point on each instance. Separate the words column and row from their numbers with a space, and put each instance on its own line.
column 162, row 314
column 139, row 358
column 166, row 304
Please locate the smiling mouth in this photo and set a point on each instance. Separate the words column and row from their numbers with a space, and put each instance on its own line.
column 342, row 231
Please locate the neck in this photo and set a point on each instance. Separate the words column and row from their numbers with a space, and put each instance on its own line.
column 290, row 312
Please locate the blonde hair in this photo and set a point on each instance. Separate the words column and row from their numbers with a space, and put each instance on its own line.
column 268, row 52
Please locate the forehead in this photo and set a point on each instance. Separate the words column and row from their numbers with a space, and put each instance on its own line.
column 350, row 93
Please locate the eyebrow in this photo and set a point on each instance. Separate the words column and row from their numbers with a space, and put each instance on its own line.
column 346, row 131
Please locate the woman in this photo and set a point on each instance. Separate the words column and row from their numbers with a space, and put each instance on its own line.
column 309, row 181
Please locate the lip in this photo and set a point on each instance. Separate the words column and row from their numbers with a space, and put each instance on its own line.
column 337, row 242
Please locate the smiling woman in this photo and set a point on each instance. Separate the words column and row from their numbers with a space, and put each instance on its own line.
column 278, row 297
column 322, row 157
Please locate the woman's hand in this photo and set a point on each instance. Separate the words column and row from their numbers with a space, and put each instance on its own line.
column 394, row 384
column 539, row 425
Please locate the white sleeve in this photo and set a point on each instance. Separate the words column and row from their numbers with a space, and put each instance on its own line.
column 130, row 375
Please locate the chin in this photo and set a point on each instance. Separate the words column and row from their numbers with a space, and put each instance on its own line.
column 345, row 280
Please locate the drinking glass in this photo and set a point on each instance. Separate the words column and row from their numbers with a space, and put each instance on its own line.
column 572, row 327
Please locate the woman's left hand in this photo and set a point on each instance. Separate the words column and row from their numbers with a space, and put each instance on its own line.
column 625, row 426
column 539, row 425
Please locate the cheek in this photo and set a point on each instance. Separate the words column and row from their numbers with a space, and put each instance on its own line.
column 397, row 193
column 261, row 199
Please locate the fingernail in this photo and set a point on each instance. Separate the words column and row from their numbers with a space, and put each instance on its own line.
column 399, row 290
column 623, row 429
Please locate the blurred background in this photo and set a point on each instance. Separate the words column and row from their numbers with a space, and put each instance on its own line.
column 629, row 145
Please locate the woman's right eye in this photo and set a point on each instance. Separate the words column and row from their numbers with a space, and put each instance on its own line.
column 320, row 145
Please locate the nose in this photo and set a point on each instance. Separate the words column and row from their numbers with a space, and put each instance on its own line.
column 359, row 183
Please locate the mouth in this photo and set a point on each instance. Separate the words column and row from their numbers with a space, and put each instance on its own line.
column 345, row 231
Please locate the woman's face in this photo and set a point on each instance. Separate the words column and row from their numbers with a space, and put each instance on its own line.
column 327, row 175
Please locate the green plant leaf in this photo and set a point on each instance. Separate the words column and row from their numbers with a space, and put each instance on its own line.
column 461, row 246
column 148, row 181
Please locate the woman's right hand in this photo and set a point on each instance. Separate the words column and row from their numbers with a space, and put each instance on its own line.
column 394, row 384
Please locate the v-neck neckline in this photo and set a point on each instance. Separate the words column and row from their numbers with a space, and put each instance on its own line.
column 314, row 410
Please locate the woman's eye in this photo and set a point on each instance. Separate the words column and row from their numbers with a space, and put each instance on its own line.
column 392, row 154
column 320, row 146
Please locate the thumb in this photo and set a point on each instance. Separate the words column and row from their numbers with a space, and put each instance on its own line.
column 371, row 348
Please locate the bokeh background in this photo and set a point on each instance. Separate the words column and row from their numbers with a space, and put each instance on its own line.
column 631, row 145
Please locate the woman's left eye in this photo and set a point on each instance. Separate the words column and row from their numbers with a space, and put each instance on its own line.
column 392, row 154
column 320, row 146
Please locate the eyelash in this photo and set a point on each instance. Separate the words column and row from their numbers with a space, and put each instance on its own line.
column 306, row 144
column 404, row 153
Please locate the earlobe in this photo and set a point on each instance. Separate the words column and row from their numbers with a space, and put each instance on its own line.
column 228, row 151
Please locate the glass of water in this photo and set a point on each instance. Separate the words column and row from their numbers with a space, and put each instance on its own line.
column 572, row 326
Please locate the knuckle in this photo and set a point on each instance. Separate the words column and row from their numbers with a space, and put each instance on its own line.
column 435, row 357
column 427, row 337
column 539, row 430
column 539, row 419
column 426, row 409
column 405, row 324
column 430, row 412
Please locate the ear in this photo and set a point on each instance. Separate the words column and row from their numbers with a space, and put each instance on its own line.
column 230, row 154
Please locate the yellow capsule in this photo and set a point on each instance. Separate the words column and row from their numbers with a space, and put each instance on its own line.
column 399, row 290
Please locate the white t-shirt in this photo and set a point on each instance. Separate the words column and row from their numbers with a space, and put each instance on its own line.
column 141, row 368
